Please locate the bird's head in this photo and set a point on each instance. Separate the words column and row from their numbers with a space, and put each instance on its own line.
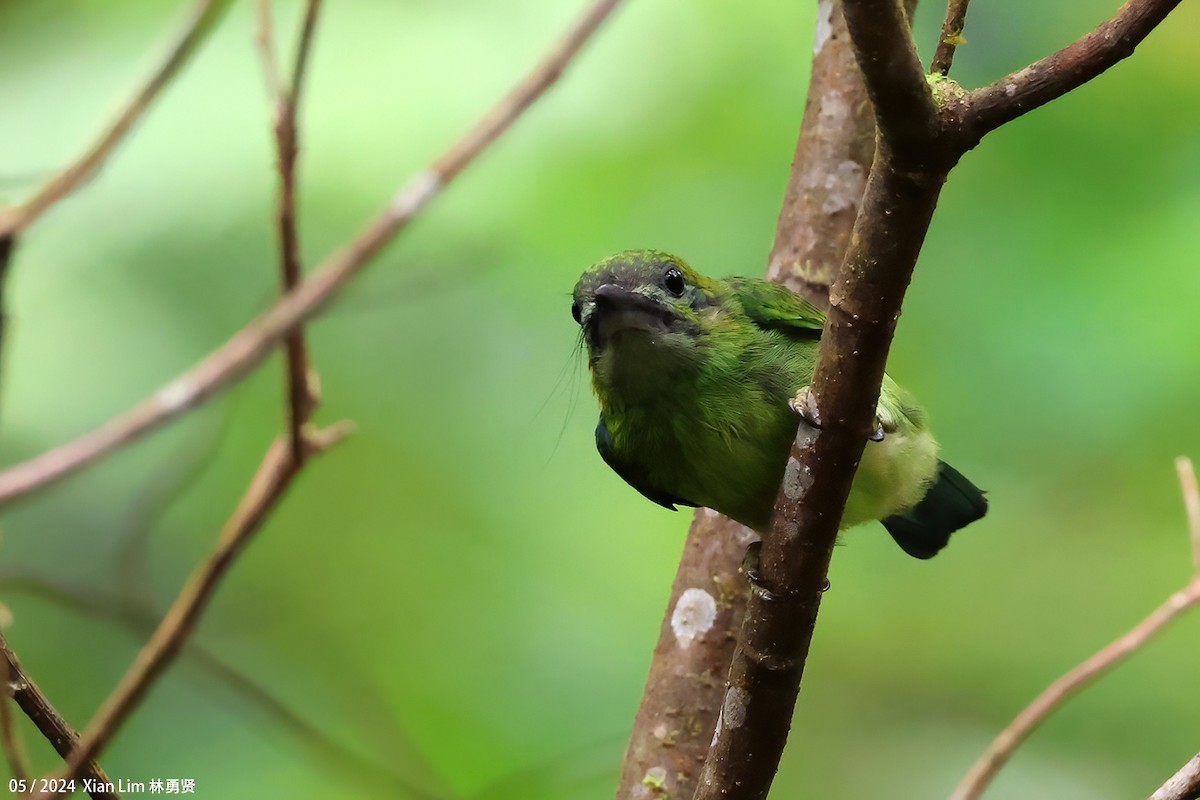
column 645, row 317
column 642, row 299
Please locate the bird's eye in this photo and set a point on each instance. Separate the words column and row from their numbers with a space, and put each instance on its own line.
column 576, row 313
column 673, row 281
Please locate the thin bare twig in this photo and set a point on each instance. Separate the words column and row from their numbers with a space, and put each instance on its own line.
column 278, row 469
column 300, row 378
column 200, row 22
column 1001, row 749
column 10, row 737
column 1053, row 76
column 45, row 717
column 304, row 47
column 7, row 242
column 259, row 337
column 264, row 39
column 1191, row 503
column 1183, row 785
column 140, row 620
column 269, row 484
column 178, row 474
column 984, row 770
column 952, row 36
column 281, row 464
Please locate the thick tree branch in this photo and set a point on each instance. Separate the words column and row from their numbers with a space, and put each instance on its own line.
column 983, row 771
column 951, row 37
column 682, row 697
column 918, row 144
column 829, row 171
column 254, row 342
column 45, row 717
column 1183, row 785
column 1053, row 76
column 904, row 109
column 679, row 708
column 204, row 15
column 764, row 677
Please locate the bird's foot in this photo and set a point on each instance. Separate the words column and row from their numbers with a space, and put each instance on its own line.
column 750, row 560
column 885, row 423
column 805, row 404
column 750, row 567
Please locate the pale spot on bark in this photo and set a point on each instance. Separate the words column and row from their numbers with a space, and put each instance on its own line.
column 824, row 25
column 694, row 614
column 834, row 111
column 733, row 711
column 745, row 535
column 415, row 194
column 177, row 395
column 655, row 778
column 796, row 479
column 845, row 185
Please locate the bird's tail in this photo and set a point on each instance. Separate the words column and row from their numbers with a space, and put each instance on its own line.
column 952, row 502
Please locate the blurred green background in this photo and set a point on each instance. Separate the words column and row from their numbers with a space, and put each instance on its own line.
column 462, row 595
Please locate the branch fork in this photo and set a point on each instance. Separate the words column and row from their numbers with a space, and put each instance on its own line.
column 921, row 135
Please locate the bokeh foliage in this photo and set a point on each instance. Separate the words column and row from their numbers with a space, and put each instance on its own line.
column 463, row 592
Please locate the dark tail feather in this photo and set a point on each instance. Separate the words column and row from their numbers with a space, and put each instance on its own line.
column 952, row 502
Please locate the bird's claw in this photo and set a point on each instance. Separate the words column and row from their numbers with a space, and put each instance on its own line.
column 884, row 423
column 750, row 567
column 805, row 404
column 750, row 560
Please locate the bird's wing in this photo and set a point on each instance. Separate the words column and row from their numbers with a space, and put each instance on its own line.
column 630, row 474
column 771, row 305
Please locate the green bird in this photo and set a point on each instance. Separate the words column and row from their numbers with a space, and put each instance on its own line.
column 700, row 381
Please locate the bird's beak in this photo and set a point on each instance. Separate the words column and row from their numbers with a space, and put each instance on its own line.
column 615, row 308
column 610, row 297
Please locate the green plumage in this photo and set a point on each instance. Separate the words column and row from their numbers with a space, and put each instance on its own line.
column 694, row 377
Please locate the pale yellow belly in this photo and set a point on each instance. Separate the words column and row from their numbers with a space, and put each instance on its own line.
column 892, row 477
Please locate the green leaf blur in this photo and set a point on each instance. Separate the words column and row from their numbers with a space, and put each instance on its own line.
column 462, row 594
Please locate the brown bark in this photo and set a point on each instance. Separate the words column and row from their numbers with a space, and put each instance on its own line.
column 1183, row 785
column 58, row 732
column 920, row 138
column 829, row 171
column 764, row 677
column 675, row 721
